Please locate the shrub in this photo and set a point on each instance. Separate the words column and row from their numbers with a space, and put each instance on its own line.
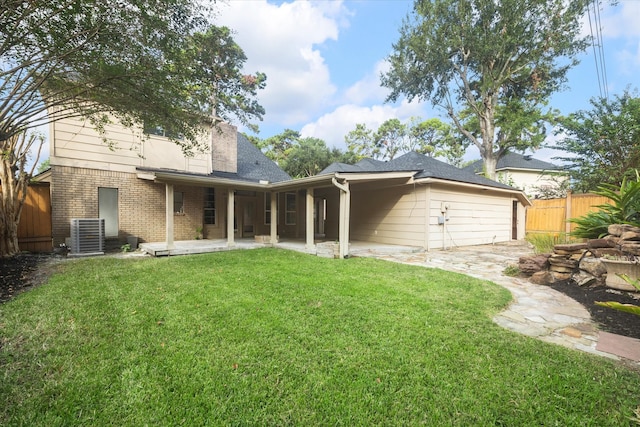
column 624, row 208
column 543, row 243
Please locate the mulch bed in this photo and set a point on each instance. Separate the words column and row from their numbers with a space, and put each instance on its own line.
column 609, row 320
column 23, row 272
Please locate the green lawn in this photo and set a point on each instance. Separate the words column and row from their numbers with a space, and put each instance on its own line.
column 271, row 337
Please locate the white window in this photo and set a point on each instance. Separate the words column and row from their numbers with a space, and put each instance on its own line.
column 178, row 202
column 267, row 208
column 210, row 206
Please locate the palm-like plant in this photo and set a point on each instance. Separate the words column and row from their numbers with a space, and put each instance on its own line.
column 629, row 308
column 624, row 208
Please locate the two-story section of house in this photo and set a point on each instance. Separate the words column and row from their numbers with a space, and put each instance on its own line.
column 533, row 176
column 143, row 185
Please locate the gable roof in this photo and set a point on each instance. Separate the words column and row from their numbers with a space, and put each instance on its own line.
column 516, row 161
column 424, row 166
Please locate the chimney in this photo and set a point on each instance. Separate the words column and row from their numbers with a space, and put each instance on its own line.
column 224, row 148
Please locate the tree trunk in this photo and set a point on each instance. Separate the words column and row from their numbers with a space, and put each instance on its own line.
column 490, row 163
column 14, row 181
column 9, row 215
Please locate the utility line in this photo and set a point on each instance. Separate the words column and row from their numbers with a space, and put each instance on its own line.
column 597, row 44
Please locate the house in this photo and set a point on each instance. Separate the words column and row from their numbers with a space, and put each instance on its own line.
column 143, row 185
column 522, row 171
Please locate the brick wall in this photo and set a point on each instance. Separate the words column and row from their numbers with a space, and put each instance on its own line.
column 141, row 204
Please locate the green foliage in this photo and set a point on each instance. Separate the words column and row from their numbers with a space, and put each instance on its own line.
column 157, row 62
column 604, row 142
column 298, row 156
column 543, row 243
column 271, row 337
column 126, row 247
column 430, row 137
column 511, row 270
column 627, row 308
column 491, row 66
column 624, row 208
column 43, row 166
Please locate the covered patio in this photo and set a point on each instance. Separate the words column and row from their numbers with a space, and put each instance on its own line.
column 315, row 195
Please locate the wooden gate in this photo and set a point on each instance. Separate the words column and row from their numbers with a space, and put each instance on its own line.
column 34, row 229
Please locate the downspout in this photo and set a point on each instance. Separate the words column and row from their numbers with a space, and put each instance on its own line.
column 345, row 212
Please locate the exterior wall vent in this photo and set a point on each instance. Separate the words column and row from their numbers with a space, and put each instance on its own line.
column 87, row 236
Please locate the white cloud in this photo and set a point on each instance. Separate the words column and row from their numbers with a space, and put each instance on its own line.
column 621, row 21
column 332, row 127
column 283, row 41
column 369, row 88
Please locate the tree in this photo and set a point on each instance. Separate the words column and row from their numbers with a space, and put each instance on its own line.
column 43, row 166
column 491, row 66
column 277, row 147
column 300, row 156
column 604, row 142
column 14, row 181
column 139, row 62
column 434, row 138
column 308, row 157
column 430, row 137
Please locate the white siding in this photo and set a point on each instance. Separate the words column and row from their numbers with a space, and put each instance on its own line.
column 530, row 181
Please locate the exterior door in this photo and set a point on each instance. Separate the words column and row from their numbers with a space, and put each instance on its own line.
column 245, row 216
column 108, row 210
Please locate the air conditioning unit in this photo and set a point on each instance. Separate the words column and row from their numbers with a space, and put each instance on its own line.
column 87, row 236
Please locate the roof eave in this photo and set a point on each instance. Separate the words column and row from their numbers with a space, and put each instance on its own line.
column 518, row 193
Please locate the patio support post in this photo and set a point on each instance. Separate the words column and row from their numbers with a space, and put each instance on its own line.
column 169, row 216
column 230, row 217
column 345, row 213
column 309, row 217
column 273, row 234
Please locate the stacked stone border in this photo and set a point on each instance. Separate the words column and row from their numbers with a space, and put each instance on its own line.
column 582, row 262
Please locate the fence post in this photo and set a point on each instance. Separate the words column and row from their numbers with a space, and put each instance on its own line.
column 569, row 202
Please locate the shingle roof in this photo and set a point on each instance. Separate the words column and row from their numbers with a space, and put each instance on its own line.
column 425, row 167
column 516, row 161
column 253, row 166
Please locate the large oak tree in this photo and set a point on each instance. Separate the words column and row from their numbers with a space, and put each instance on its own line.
column 490, row 65
column 136, row 61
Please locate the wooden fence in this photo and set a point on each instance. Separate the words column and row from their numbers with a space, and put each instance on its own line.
column 34, row 229
column 551, row 216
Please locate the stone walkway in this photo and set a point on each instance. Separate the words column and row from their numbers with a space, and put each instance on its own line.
column 536, row 311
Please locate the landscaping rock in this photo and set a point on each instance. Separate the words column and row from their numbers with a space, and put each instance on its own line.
column 542, row 278
column 631, row 248
column 630, row 235
column 593, row 266
column 619, row 229
column 582, row 278
column 529, row 265
column 562, row 261
column 570, row 247
column 601, row 243
column 561, row 276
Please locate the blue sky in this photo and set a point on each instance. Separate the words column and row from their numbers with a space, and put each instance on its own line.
column 323, row 60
